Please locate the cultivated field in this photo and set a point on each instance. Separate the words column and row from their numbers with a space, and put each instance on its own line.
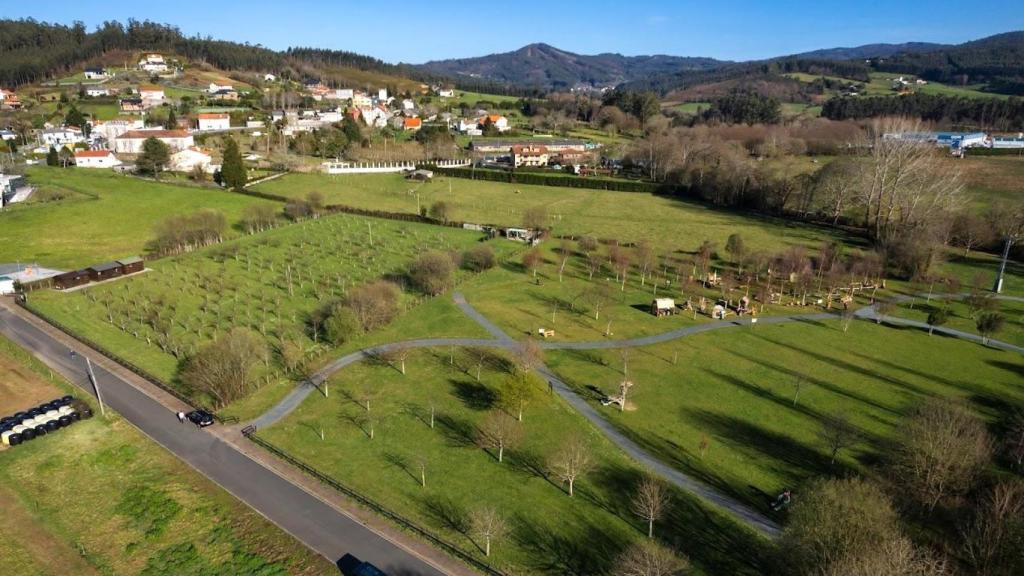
column 108, row 216
column 548, row 532
column 270, row 283
column 99, row 498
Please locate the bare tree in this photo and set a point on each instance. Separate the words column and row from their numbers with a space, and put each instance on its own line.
column 1014, row 440
column 375, row 304
column 942, row 451
column 564, row 253
column 650, row 502
column 535, row 218
column 224, row 368
column 532, row 259
column 528, row 355
column 432, row 273
column 895, row 556
column 499, row 432
column 989, row 537
column 650, row 559
column 571, row 461
column 838, row 433
column 486, row 524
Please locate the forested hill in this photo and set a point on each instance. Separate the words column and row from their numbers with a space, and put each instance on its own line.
column 33, row 51
column 547, row 67
column 997, row 61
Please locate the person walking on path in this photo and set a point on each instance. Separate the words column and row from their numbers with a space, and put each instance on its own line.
column 181, row 417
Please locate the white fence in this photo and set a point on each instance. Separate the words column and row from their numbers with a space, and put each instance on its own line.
column 386, row 167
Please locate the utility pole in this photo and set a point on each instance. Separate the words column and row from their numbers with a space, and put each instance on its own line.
column 95, row 385
column 998, row 288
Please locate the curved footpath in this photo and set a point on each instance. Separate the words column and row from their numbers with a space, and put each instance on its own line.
column 747, row 515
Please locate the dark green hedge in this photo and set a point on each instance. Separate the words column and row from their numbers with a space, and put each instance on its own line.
column 562, row 180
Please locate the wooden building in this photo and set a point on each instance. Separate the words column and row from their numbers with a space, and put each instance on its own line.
column 131, row 265
column 71, row 279
column 104, row 271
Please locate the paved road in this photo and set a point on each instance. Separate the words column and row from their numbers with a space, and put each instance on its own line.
column 310, row 520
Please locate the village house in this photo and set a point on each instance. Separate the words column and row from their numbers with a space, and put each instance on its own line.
column 95, row 73
column 186, row 160
column 151, row 95
column 6, row 135
column 361, row 100
column 329, row 115
column 110, row 129
column 57, row 137
column 97, row 92
column 153, row 63
column 226, row 95
column 553, row 145
column 408, row 104
column 214, row 87
column 444, row 92
column 375, row 116
column 269, row 78
column 206, row 122
column 131, row 142
column 96, row 159
column 412, row 124
column 529, row 156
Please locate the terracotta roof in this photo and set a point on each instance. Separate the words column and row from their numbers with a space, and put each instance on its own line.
column 136, row 134
column 92, row 153
column 529, row 150
column 412, row 122
column 213, row 116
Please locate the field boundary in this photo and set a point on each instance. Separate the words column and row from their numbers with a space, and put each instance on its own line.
column 250, row 433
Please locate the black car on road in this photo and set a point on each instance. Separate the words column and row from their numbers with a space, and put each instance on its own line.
column 200, row 418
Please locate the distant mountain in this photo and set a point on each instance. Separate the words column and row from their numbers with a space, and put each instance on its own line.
column 868, row 51
column 544, row 66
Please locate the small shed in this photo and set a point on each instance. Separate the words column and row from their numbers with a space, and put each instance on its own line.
column 663, row 307
column 71, row 279
column 6, row 285
column 104, row 271
column 131, row 265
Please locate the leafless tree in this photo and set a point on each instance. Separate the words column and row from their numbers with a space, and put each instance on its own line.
column 528, row 355
column 486, row 524
column 836, row 186
column 988, row 538
column 564, row 253
column 499, row 432
column 942, row 450
column 650, row 559
column 1014, row 440
column 650, row 502
column 532, row 259
column 432, row 273
column 224, row 368
column 895, row 556
column 571, row 461
column 374, row 304
column 535, row 218
column 838, row 433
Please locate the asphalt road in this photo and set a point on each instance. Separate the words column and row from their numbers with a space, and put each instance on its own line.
column 310, row 520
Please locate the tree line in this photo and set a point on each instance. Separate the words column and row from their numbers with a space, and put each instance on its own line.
column 983, row 113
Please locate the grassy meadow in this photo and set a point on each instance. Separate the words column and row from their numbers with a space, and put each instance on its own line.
column 549, row 532
column 99, row 498
column 108, row 216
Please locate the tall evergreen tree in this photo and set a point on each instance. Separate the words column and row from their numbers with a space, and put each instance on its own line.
column 172, row 120
column 154, row 158
column 52, row 159
column 233, row 171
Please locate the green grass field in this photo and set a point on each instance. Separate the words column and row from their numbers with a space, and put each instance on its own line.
column 111, row 216
column 960, row 318
column 735, row 390
column 270, row 283
column 99, row 498
column 550, row 533
column 668, row 222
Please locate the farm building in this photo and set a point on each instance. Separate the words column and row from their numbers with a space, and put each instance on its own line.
column 104, row 271
column 95, row 73
column 213, row 121
column 663, row 307
column 533, row 156
column 131, row 265
column 554, row 145
column 187, row 160
column 71, row 279
column 132, row 105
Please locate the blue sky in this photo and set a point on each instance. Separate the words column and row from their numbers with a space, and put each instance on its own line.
column 409, row 31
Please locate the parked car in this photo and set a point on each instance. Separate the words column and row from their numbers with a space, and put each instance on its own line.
column 200, row 418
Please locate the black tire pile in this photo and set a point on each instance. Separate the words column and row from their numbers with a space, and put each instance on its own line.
column 44, row 419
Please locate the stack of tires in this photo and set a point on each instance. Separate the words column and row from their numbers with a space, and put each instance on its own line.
column 44, row 419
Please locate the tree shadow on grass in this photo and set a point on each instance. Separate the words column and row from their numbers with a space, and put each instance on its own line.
column 446, row 512
column 712, row 540
column 402, row 463
column 474, row 395
column 589, row 549
column 765, row 394
column 529, row 462
column 457, row 431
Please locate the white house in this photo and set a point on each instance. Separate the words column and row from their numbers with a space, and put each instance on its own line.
column 408, row 104
column 446, row 92
column 153, row 63
column 382, row 94
column 94, row 92
column 214, row 87
column 57, row 137
column 95, row 73
column 329, row 115
column 213, row 122
column 186, row 160
column 96, row 159
column 6, row 135
column 375, row 116
column 111, row 129
column 131, row 142
column 361, row 100
column 269, row 78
